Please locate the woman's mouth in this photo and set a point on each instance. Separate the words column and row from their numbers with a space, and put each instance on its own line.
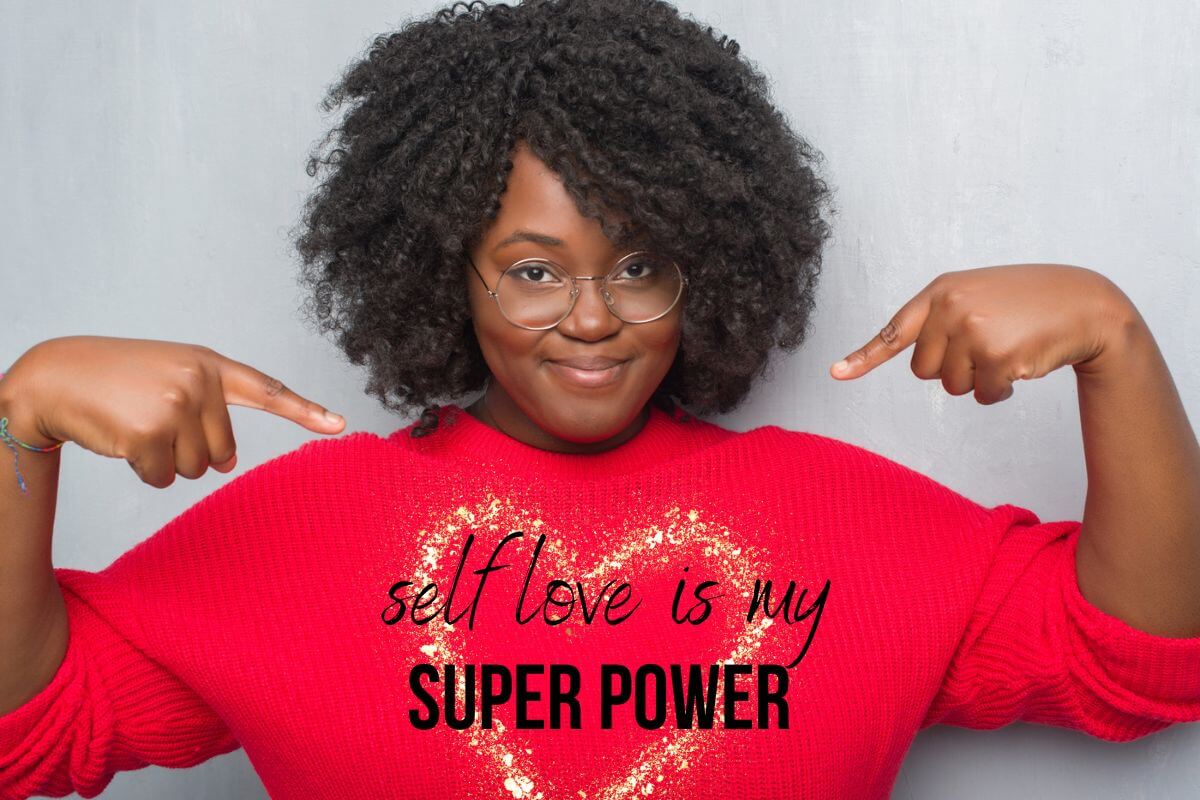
column 588, row 378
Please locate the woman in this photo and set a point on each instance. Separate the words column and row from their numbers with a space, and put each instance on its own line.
column 572, row 587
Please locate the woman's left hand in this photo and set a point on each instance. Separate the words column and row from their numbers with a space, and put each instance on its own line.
column 981, row 329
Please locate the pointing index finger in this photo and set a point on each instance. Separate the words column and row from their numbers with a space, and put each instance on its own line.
column 246, row 386
column 901, row 331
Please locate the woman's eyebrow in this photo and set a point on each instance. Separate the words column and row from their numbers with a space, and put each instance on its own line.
column 530, row 236
column 630, row 240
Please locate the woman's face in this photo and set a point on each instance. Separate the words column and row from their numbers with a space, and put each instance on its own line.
column 529, row 397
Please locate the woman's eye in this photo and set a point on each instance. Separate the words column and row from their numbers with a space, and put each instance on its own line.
column 533, row 274
column 638, row 270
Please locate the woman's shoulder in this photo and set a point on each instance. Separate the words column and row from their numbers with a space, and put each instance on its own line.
column 298, row 470
column 810, row 444
column 326, row 448
column 857, row 467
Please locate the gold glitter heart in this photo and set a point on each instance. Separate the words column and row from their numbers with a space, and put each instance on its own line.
column 513, row 767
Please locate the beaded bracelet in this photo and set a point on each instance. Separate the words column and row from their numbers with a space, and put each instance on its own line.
column 10, row 440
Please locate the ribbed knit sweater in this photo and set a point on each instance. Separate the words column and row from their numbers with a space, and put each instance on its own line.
column 306, row 611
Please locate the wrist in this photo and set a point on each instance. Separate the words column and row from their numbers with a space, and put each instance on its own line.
column 1127, row 337
column 20, row 421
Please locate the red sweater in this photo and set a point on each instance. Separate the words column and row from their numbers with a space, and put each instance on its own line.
column 307, row 608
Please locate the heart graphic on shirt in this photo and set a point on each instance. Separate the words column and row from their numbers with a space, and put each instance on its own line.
column 493, row 754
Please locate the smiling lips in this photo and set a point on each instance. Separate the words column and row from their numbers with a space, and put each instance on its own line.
column 589, row 371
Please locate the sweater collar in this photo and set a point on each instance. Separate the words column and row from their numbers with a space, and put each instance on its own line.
column 666, row 436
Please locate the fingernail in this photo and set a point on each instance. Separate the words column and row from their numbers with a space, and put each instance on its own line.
column 841, row 366
column 332, row 417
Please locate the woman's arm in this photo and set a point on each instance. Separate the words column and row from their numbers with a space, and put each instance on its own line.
column 1139, row 551
column 980, row 330
column 33, row 617
column 159, row 405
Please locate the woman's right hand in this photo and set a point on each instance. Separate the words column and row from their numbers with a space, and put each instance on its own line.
column 159, row 405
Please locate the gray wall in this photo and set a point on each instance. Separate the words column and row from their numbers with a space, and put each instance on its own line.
column 152, row 161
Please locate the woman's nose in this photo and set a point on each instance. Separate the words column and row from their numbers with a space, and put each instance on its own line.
column 591, row 315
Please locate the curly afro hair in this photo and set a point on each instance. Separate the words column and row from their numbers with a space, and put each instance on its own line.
column 658, row 129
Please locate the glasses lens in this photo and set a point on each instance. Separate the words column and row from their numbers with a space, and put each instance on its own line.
column 643, row 286
column 536, row 294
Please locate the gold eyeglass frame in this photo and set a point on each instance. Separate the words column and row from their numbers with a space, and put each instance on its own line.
column 604, row 293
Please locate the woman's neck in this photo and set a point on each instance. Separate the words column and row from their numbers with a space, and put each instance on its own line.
column 496, row 409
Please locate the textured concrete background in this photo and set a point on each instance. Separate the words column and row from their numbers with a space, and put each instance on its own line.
column 153, row 160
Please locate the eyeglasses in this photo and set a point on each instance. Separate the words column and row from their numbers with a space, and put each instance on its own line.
column 537, row 294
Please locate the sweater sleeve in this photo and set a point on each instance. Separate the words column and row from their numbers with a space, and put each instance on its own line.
column 109, row 707
column 1036, row 650
column 113, row 705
